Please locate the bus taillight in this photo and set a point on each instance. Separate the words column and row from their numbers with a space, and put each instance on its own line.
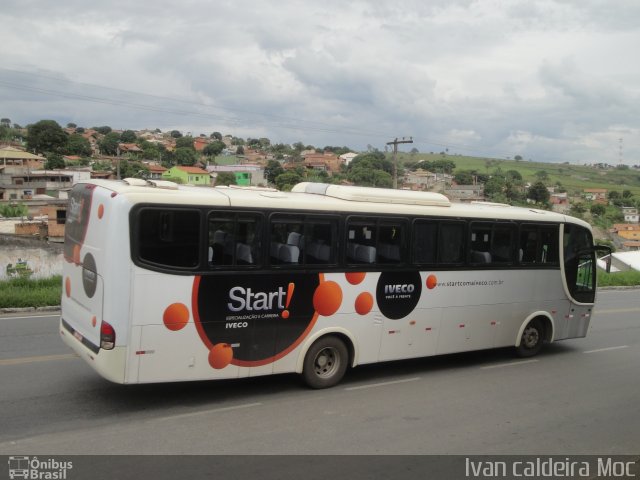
column 107, row 336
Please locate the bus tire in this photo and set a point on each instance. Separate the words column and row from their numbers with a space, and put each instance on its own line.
column 325, row 362
column 532, row 339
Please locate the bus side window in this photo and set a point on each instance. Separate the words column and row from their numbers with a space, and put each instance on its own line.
column 390, row 243
column 169, row 237
column 319, row 241
column 425, row 242
column 538, row 244
column 361, row 238
column 285, row 242
column 234, row 239
column 451, row 242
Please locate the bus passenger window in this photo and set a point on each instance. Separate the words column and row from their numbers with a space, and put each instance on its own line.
column 361, row 238
column 286, row 240
column 234, row 239
column 538, row 244
column 319, row 241
column 169, row 237
column 451, row 243
column 425, row 242
column 390, row 242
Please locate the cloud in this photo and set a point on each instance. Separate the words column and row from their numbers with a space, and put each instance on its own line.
column 549, row 80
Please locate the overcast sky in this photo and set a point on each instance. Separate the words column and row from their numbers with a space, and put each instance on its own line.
column 550, row 80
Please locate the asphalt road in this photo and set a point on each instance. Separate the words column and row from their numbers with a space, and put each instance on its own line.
column 579, row 396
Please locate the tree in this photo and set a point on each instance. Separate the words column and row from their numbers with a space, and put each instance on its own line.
column 103, row 130
column 495, row 186
column 538, row 192
column 128, row 136
column 46, row 136
column 597, row 210
column 185, row 142
column 5, row 122
column 54, row 162
column 175, row 134
column 286, row 181
column 185, row 156
column 78, row 145
column 216, row 135
column 71, row 125
column 109, row 143
column 542, row 175
column 463, row 177
column 214, row 149
column 272, row 171
column 226, row 178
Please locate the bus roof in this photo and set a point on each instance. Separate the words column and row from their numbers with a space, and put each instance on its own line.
column 320, row 197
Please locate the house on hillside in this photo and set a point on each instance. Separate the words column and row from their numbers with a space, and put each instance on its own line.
column 465, row 193
column 188, row 175
column 628, row 231
column 596, row 195
column 630, row 214
column 246, row 175
column 327, row 161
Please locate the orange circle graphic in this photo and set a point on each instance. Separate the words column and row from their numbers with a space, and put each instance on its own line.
column 220, row 355
column 67, row 286
column 432, row 281
column 354, row 278
column 76, row 254
column 100, row 211
column 364, row 303
column 94, row 320
column 327, row 298
column 175, row 316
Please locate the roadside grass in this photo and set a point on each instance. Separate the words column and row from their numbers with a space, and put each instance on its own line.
column 618, row 279
column 23, row 292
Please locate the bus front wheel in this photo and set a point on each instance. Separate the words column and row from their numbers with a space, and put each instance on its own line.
column 532, row 339
column 325, row 363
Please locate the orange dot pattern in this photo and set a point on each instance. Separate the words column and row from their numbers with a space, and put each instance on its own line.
column 220, row 355
column 364, row 303
column 432, row 281
column 67, row 287
column 176, row 316
column 355, row 278
column 327, row 298
column 100, row 211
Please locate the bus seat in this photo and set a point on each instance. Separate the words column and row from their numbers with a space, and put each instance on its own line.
column 295, row 239
column 243, row 254
column 480, row 257
column 324, row 253
column 289, row 254
column 389, row 252
column 365, row 254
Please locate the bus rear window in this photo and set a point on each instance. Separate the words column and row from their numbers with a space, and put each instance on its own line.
column 169, row 237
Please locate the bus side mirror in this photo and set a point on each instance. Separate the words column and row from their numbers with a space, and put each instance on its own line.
column 606, row 251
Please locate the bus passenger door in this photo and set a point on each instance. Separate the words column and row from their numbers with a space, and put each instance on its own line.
column 579, row 270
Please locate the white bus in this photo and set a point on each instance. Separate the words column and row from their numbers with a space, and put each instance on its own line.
column 165, row 283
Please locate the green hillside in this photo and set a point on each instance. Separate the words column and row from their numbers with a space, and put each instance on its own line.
column 574, row 178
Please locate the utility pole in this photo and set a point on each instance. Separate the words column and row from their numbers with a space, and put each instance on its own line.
column 395, row 157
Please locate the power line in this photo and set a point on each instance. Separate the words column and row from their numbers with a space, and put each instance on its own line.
column 232, row 116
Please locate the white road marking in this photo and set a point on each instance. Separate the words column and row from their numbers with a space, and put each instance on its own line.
column 383, row 384
column 41, row 358
column 205, row 412
column 607, row 349
column 509, row 364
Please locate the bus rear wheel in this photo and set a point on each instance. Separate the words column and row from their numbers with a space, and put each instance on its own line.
column 532, row 339
column 325, row 363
